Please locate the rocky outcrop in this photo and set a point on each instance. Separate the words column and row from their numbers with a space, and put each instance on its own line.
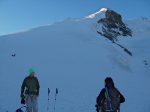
column 112, row 26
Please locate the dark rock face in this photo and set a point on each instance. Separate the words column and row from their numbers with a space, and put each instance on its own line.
column 112, row 26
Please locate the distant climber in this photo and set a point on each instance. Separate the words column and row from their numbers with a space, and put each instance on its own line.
column 13, row 55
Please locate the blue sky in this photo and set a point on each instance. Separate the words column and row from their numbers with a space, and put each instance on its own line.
column 18, row 15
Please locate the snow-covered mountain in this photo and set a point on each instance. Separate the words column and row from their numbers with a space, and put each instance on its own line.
column 72, row 56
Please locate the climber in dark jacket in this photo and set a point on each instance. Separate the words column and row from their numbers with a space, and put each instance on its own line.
column 113, row 94
column 30, row 91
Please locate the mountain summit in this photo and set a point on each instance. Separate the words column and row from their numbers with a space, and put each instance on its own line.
column 109, row 24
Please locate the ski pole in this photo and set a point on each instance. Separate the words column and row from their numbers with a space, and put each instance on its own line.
column 55, row 98
column 48, row 100
column 108, row 99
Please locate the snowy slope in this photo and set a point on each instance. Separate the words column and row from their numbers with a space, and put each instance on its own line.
column 73, row 57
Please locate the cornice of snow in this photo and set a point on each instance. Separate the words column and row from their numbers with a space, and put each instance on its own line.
column 91, row 16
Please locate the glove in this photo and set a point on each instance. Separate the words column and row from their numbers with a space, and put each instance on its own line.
column 97, row 109
column 22, row 96
column 37, row 93
column 23, row 101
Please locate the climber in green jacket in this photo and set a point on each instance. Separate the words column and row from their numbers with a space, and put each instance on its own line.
column 30, row 91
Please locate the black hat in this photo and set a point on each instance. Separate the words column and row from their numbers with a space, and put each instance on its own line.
column 109, row 82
